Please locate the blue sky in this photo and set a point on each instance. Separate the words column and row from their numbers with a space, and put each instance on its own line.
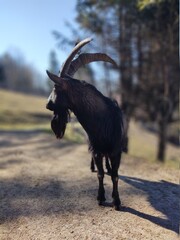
column 26, row 27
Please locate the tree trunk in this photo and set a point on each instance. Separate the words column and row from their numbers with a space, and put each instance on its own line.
column 125, row 67
column 162, row 140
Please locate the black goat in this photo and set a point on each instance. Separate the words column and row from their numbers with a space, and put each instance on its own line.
column 99, row 116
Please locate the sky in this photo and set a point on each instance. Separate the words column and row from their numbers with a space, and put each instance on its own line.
column 27, row 25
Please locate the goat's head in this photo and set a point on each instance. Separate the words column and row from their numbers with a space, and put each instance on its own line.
column 58, row 96
column 59, row 101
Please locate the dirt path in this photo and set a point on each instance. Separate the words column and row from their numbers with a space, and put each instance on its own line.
column 48, row 192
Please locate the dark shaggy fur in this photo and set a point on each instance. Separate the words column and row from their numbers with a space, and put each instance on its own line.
column 59, row 121
column 102, row 120
column 100, row 117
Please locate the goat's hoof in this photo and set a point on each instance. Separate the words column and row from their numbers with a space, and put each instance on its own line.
column 117, row 204
column 101, row 200
column 117, row 208
column 109, row 172
column 101, row 203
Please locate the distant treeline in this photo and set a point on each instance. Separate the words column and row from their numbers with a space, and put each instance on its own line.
column 16, row 75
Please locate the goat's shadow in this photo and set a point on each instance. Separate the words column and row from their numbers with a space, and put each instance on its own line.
column 22, row 197
column 163, row 196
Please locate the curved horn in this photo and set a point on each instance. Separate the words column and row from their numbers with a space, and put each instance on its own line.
column 72, row 55
column 86, row 58
column 53, row 77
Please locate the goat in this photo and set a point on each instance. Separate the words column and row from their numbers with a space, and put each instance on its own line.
column 100, row 116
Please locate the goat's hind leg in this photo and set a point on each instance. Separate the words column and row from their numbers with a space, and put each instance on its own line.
column 92, row 165
column 101, row 192
column 108, row 167
column 115, row 162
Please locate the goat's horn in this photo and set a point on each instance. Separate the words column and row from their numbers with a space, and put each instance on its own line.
column 75, row 50
column 86, row 58
column 53, row 77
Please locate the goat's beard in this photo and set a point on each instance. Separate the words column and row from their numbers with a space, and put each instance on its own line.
column 59, row 121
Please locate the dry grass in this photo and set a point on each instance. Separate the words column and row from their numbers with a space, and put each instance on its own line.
column 25, row 112
column 143, row 144
column 20, row 111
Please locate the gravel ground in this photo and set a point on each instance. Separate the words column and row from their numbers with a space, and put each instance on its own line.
column 48, row 192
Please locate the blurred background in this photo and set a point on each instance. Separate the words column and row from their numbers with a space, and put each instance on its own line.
column 142, row 36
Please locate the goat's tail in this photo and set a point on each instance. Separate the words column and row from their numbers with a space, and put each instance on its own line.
column 124, row 134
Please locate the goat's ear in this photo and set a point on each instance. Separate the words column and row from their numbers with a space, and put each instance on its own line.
column 53, row 77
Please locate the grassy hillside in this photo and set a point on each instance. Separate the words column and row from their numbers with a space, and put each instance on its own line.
column 143, row 144
column 24, row 112
column 20, row 111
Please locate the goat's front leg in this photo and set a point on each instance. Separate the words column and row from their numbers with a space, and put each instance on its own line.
column 115, row 162
column 101, row 192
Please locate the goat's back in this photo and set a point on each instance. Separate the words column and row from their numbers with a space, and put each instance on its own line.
column 100, row 116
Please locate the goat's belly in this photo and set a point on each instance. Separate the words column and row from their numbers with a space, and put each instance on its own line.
column 106, row 145
column 102, row 147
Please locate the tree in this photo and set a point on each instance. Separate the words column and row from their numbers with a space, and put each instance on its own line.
column 160, row 64
column 17, row 75
column 53, row 67
column 2, row 75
